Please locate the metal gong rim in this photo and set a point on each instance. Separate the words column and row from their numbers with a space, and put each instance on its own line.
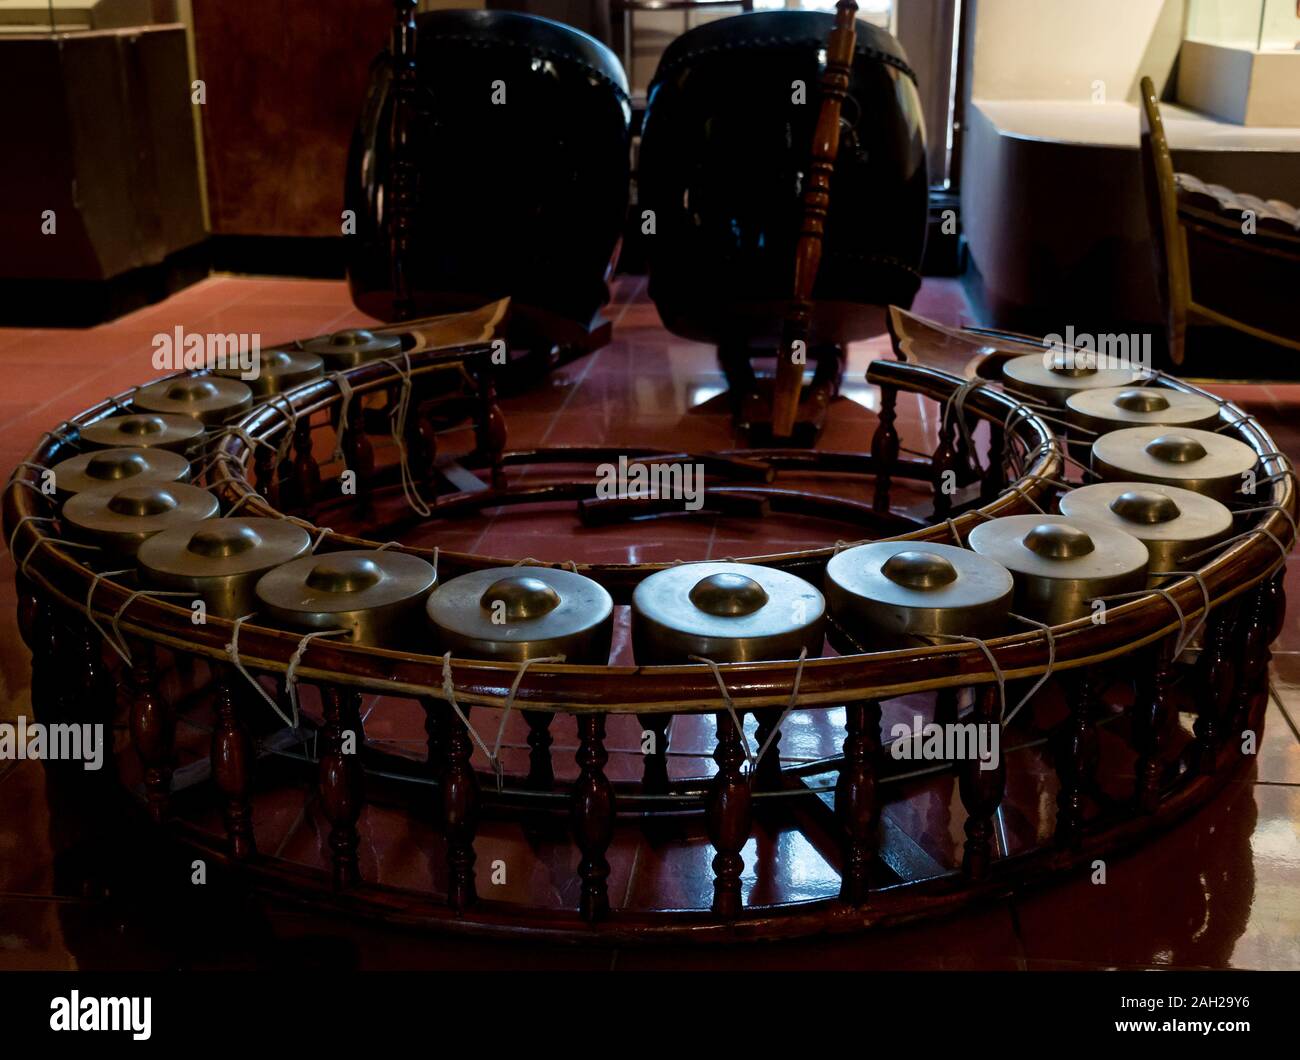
column 1114, row 552
column 143, row 430
column 222, row 547
column 123, row 518
column 1198, row 517
column 1114, row 408
column 1178, row 456
column 352, row 580
column 207, row 398
column 351, row 347
column 1030, row 375
column 279, row 370
column 118, row 467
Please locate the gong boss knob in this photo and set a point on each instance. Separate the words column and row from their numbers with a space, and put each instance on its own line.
column 115, row 468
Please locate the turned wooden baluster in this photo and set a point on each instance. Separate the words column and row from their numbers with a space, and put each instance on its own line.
column 153, row 729
column 994, row 481
column 816, row 207
column 264, row 475
column 1151, row 713
column 47, row 674
column 1277, row 604
column 232, row 764
column 981, row 785
column 26, row 609
column 768, row 775
column 1076, row 756
column 884, row 447
column 1215, row 681
column 593, row 816
column 489, row 424
column 421, row 444
column 306, row 472
column 460, row 802
column 943, row 466
column 342, row 779
column 359, row 453
column 541, row 773
column 1252, row 668
column 654, row 779
column 857, row 807
column 437, row 721
column 729, row 816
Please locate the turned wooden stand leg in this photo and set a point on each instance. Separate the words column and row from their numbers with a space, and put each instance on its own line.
column 1215, row 678
column 593, row 816
column 1151, row 714
column 232, row 765
column 26, row 610
column 490, row 424
column 884, row 447
column 541, row 772
column 856, row 806
column 47, row 674
column 1253, row 658
column 306, row 472
column 342, row 779
column 655, row 778
column 994, row 482
column 1076, row 756
column 460, row 800
column 943, row 464
column 730, row 814
column 153, row 730
column 437, row 723
column 981, row 784
column 768, row 776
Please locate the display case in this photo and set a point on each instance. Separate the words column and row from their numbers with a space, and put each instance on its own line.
column 1240, row 61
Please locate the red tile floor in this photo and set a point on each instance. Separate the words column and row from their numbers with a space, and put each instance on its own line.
column 1220, row 890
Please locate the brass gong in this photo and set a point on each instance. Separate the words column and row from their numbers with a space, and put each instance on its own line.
column 1175, row 456
column 347, row 349
column 144, row 430
column 376, row 595
column 209, row 399
column 279, row 370
column 727, row 612
column 1053, row 378
column 1113, row 408
column 109, row 468
column 122, row 520
column 518, row 613
column 1171, row 522
column 889, row 592
column 221, row 559
column 1061, row 564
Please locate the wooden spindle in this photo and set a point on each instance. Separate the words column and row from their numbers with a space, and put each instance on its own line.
column 768, row 775
column 654, row 779
column 489, row 423
column 1151, row 713
column 593, row 816
column 1215, row 680
column 26, row 609
column 994, row 481
column 857, row 807
column 460, row 803
column 729, row 816
column 885, row 447
column 541, row 772
column 264, row 467
column 437, row 723
column 232, row 765
column 943, row 466
column 47, row 675
column 981, row 785
column 306, row 472
column 153, row 729
column 342, row 779
column 359, row 454
column 1076, row 756
column 1253, row 658
column 816, row 207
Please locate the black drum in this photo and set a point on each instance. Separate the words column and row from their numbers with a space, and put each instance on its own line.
column 723, row 157
column 519, row 136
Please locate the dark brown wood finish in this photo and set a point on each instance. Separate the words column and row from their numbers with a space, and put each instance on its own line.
column 232, row 763
column 982, row 784
column 460, row 809
column 153, row 729
column 341, row 779
column 857, row 806
column 593, row 817
column 730, row 817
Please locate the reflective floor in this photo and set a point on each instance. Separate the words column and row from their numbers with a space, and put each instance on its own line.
column 1220, row 890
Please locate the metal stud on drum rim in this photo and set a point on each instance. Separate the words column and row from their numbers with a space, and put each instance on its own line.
column 1115, row 408
column 115, row 468
column 519, row 613
column 377, row 595
column 887, row 593
column 1170, row 521
column 209, row 399
column 221, row 559
column 1061, row 564
column 727, row 612
column 143, row 430
column 121, row 521
column 347, row 349
column 279, row 370
column 1030, row 375
column 1196, row 460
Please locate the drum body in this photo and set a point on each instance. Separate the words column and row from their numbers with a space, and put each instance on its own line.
column 724, row 158
column 519, row 137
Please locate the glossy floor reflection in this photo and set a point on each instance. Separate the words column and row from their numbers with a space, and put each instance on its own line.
column 1220, row 890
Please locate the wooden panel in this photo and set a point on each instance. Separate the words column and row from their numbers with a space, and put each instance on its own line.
column 285, row 81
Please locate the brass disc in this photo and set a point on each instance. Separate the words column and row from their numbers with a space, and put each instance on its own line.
column 377, row 595
column 889, row 592
column 727, row 612
column 144, row 430
column 221, row 559
column 114, row 468
column 519, row 613
column 1171, row 522
column 122, row 520
column 209, row 399
column 1061, row 564
column 1175, row 456
column 1115, row 407
column 279, row 370
column 347, row 349
column 1030, row 376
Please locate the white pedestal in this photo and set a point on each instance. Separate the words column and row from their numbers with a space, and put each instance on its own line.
column 1240, row 85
